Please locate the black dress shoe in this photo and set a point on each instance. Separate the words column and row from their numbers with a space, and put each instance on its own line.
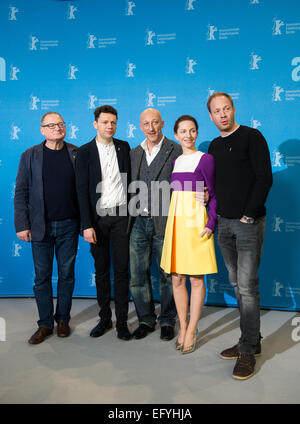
column 142, row 331
column 100, row 329
column 123, row 333
column 167, row 332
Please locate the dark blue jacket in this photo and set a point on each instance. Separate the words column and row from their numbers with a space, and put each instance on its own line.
column 29, row 192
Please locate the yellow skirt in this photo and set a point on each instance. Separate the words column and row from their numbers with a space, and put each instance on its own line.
column 184, row 251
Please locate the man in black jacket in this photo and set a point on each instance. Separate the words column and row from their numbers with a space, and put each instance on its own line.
column 102, row 176
column 243, row 180
column 47, row 214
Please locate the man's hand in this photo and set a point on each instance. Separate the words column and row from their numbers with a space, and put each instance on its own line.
column 206, row 231
column 90, row 235
column 202, row 197
column 24, row 235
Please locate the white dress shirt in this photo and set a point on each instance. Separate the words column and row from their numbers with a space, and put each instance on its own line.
column 150, row 158
column 112, row 190
column 155, row 150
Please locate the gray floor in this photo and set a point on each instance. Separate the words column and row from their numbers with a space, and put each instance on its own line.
column 81, row 369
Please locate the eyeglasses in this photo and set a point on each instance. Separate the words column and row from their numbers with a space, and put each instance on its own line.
column 51, row 126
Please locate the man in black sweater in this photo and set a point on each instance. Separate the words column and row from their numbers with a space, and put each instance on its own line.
column 243, row 180
column 47, row 215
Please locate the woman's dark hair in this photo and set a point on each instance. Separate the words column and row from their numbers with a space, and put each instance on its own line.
column 184, row 118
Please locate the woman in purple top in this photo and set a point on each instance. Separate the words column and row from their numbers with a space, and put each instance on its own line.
column 188, row 244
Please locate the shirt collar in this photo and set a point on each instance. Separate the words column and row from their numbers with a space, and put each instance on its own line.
column 104, row 146
column 156, row 146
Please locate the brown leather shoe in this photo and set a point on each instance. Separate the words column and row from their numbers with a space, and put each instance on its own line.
column 40, row 335
column 233, row 352
column 63, row 329
column 244, row 367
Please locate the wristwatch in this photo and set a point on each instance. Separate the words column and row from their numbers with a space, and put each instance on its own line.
column 248, row 220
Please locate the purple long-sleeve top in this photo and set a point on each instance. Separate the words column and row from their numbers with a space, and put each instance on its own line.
column 203, row 175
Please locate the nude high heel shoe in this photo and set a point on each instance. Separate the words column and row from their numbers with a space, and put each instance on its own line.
column 191, row 348
column 178, row 346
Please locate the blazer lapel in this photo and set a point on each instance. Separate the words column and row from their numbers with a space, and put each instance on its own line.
column 136, row 160
column 119, row 147
column 95, row 162
column 39, row 168
column 163, row 155
column 119, row 152
column 72, row 154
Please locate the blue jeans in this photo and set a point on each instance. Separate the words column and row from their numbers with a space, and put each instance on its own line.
column 61, row 237
column 143, row 242
column 241, row 247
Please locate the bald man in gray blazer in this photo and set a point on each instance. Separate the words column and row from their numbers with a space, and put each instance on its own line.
column 152, row 161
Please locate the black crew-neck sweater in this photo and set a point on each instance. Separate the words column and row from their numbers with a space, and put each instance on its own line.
column 60, row 197
column 243, row 173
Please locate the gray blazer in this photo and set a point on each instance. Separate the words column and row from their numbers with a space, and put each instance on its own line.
column 29, row 192
column 164, row 166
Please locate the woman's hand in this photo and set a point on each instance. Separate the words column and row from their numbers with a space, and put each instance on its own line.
column 206, row 231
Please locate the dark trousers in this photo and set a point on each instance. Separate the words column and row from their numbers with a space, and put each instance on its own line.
column 241, row 246
column 112, row 233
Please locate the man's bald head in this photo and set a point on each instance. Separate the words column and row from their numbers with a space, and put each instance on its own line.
column 151, row 124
